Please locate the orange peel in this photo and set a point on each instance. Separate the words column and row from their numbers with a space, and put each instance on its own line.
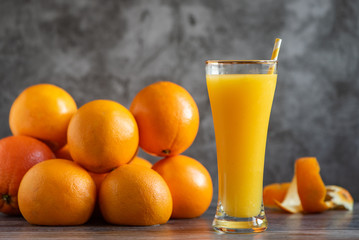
column 274, row 191
column 311, row 188
column 339, row 198
column 291, row 202
column 307, row 192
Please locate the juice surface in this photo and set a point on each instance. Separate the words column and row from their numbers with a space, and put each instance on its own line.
column 241, row 105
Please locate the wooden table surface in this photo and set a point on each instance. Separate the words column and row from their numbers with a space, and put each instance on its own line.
column 327, row 225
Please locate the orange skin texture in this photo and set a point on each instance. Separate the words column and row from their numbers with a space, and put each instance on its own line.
column 167, row 117
column 190, row 185
column 17, row 155
column 98, row 179
column 43, row 111
column 64, row 153
column 339, row 198
column 311, row 188
column 102, row 135
column 275, row 191
column 57, row 192
column 135, row 195
column 141, row 161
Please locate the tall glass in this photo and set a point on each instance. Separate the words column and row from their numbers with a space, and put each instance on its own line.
column 241, row 95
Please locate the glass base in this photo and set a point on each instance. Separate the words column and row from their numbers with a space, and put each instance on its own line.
column 223, row 223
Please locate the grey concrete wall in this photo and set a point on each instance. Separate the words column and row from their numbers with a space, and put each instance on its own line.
column 112, row 49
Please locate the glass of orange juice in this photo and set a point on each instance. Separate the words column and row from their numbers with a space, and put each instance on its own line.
column 241, row 94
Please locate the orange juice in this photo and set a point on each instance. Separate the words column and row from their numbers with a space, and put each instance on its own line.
column 241, row 105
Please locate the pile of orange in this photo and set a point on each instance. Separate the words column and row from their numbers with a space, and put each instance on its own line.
column 64, row 165
column 307, row 192
column 168, row 121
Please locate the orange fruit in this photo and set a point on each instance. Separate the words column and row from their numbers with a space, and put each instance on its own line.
column 190, row 185
column 141, row 161
column 167, row 118
column 98, row 179
column 102, row 135
column 63, row 153
column 17, row 155
column 311, row 188
column 57, row 192
column 43, row 111
column 135, row 195
column 275, row 191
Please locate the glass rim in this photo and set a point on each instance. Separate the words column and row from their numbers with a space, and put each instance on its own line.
column 228, row 62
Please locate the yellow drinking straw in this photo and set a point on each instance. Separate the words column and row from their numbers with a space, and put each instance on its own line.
column 275, row 53
column 276, row 48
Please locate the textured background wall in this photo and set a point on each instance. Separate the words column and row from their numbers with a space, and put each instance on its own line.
column 112, row 49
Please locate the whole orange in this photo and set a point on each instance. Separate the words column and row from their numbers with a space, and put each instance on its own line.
column 98, row 179
column 102, row 135
column 57, row 192
column 141, row 161
column 190, row 185
column 135, row 195
column 43, row 111
column 63, row 153
column 167, row 118
column 17, row 155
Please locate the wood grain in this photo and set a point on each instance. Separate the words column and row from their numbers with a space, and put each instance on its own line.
column 327, row 225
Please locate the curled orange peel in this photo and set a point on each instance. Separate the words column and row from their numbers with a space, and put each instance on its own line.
column 339, row 198
column 274, row 191
column 307, row 192
column 311, row 188
column 291, row 202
